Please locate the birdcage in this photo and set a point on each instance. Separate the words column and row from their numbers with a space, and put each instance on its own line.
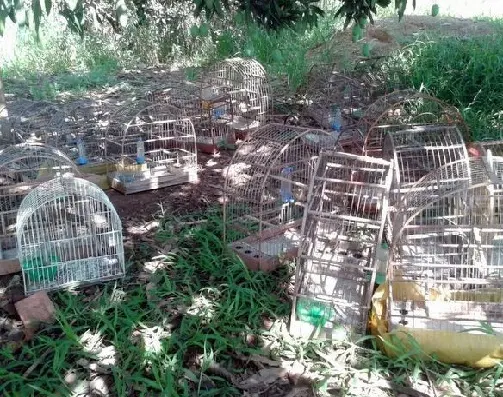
column 416, row 152
column 68, row 233
column 182, row 95
column 405, row 109
column 446, row 262
column 342, row 228
column 494, row 148
column 266, row 190
column 158, row 149
column 23, row 167
column 234, row 101
column 79, row 132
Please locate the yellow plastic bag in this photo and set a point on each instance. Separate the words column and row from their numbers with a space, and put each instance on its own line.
column 478, row 351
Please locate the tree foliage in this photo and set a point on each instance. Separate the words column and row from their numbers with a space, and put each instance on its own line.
column 271, row 14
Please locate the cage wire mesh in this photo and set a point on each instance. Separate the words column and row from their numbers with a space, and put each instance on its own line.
column 342, row 226
column 182, row 95
column 79, row 132
column 266, row 191
column 494, row 148
column 404, row 109
column 446, row 261
column 327, row 89
column 68, row 233
column 158, row 149
column 23, row 167
column 415, row 153
column 235, row 99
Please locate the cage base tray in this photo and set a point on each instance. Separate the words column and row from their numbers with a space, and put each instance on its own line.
column 151, row 183
column 274, row 249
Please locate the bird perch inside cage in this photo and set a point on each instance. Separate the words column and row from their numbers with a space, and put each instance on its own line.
column 266, row 191
column 23, row 167
column 342, row 228
column 68, row 233
column 158, row 150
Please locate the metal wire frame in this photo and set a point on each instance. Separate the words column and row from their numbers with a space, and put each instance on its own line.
column 495, row 148
column 266, row 190
column 446, row 262
column 182, row 95
column 418, row 151
column 341, row 229
column 404, row 109
column 68, row 234
column 23, row 167
column 327, row 87
column 169, row 150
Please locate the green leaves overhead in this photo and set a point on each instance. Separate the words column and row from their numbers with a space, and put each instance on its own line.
column 355, row 10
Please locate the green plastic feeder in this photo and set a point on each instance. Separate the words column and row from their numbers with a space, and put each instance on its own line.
column 434, row 10
column 38, row 271
column 314, row 313
column 357, row 33
column 366, row 49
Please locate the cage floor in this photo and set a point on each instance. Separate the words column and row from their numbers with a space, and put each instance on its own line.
column 61, row 274
column 129, row 184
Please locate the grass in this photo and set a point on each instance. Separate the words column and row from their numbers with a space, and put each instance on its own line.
column 190, row 327
column 465, row 72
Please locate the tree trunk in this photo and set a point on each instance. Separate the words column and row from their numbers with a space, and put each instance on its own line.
column 5, row 130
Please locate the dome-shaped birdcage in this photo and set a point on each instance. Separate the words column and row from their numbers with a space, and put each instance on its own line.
column 235, row 99
column 342, row 228
column 182, row 95
column 158, row 149
column 446, row 268
column 404, row 109
column 418, row 151
column 23, row 167
column 79, row 132
column 328, row 91
column 266, row 190
column 68, row 233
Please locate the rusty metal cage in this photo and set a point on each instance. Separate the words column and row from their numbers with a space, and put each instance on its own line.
column 23, row 167
column 404, row 109
column 327, row 89
column 342, row 228
column 446, row 263
column 416, row 152
column 266, row 191
column 158, row 149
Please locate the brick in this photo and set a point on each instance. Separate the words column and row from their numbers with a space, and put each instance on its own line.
column 35, row 310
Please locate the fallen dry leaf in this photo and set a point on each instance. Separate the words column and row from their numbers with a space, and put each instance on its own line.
column 264, row 378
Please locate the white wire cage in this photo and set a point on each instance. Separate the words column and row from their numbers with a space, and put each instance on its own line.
column 418, row 151
column 68, row 234
column 405, row 109
column 266, row 191
column 235, row 99
column 23, row 167
column 158, row 149
column 342, row 228
column 446, row 267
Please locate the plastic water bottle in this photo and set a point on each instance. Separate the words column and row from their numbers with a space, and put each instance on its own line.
column 335, row 120
column 140, row 152
column 286, row 185
column 218, row 113
column 81, row 159
column 382, row 259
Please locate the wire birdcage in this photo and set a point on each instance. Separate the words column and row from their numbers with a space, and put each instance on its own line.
column 158, row 149
column 182, row 95
column 418, row 151
column 23, row 167
column 235, row 99
column 266, row 191
column 79, row 132
column 342, row 228
column 446, row 263
column 68, row 233
column 404, row 109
